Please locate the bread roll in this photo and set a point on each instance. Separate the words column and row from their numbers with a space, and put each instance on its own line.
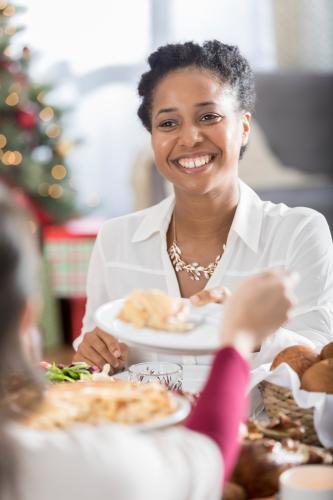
column 327, row 351
column 298, row 357
column 319, row 377
column 232, row 491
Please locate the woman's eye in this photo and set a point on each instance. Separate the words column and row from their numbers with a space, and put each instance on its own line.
column 167, row 124
column 208, row 117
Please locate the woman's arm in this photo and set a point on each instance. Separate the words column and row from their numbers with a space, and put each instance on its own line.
column 310, row 253
column 222, row 404
column 257, row 308
column 94, row 346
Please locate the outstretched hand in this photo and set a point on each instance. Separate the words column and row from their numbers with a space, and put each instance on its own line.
column 259, row 306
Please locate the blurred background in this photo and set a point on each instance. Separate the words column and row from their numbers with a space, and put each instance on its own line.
column 73, row 151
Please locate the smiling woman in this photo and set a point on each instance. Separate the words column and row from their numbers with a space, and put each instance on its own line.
column 196, row 102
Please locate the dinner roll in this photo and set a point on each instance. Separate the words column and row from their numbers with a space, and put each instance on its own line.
column 319, row 377
column 327, row 351
column 298, row 357
column 232, row 491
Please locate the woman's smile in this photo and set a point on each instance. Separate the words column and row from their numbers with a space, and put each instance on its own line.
column 194, row 163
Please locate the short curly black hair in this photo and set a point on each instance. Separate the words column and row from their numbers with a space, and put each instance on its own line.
column 225, row 61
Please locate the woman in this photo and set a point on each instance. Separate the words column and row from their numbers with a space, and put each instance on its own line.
column 115, row 461
column 215, row 231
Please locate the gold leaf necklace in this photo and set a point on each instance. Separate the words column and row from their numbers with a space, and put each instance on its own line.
column 194, row 269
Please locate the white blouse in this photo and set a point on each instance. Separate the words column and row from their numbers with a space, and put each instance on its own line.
column 131, row 252
column 110, row 461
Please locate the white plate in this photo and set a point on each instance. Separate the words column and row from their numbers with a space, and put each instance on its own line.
column 182, row 411
column 203, row 339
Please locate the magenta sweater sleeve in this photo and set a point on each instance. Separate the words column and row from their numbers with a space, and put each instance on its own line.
column 222, row 404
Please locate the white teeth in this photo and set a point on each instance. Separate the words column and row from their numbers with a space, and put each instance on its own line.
column 195, row 162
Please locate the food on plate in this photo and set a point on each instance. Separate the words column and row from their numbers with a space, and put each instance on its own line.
column 262, row 461
column 57, row 372
column 298, row 357
column 215, row 295
column 92, row 402
column 279, row 428
column 319, row 377
column 327, row 351
column 232, row 491
column 155, row 309
column 60, row 373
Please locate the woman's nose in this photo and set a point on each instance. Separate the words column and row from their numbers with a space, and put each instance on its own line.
column 189, row 136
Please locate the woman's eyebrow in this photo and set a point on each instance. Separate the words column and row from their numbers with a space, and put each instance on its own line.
column 198, row 105
column 166, row 110
column 205, row 103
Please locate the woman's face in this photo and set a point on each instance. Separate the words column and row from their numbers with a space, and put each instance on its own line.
column 197, row 131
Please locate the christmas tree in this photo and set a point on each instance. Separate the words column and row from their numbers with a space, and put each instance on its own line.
column 32, row 147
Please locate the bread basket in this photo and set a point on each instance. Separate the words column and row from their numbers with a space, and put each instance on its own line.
column 279, row 399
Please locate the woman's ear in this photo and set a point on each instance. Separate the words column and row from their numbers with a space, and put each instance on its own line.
column 246, row 119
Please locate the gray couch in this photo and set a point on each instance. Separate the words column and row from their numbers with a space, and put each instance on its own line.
column 295, row 111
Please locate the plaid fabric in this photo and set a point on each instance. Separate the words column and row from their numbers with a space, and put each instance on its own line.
column 68, row 260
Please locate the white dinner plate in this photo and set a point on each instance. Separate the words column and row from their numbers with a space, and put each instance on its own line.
column 183, row 408
column 202, row 339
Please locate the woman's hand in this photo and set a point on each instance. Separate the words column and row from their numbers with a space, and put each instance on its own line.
column 257, row 308
column 216, row 295
column 98, row 348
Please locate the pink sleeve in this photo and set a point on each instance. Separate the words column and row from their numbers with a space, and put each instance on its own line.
column 222, row 404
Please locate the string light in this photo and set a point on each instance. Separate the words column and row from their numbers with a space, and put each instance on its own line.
column 63, row 147
column 46, row 114
column 53, row 131
column 12, row 99
column 18, row 158
column 55, row 191
column 7, row 158
column 8, row 51
column 41, row 96
column 3, row 141
column 9, row 11
column 43, row 189
column 11, row 158
column 58, row 172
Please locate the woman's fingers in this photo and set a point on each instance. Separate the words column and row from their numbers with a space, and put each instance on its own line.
column 260, row 305
column 99, row 348
column 215, row 295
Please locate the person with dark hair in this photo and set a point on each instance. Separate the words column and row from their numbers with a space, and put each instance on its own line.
column 116, row 461
column 197, row 102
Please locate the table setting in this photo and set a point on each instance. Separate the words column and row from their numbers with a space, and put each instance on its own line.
column 274, row 446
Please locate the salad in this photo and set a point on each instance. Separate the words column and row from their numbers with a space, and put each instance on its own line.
column 57, row 372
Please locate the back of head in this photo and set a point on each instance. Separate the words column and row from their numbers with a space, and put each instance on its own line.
column 224, row 61
column 18, row 287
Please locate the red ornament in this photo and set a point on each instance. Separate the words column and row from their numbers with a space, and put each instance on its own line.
column 26, row 119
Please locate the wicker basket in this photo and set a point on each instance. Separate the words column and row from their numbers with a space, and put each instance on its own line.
column 278, row 399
